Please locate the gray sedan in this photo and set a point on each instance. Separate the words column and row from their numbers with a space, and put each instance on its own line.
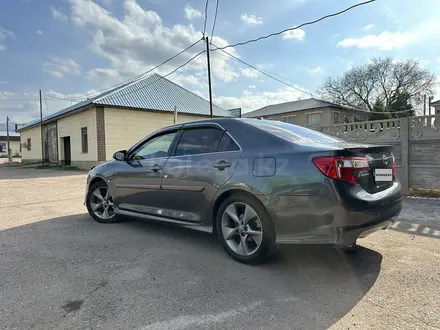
column 253, row 183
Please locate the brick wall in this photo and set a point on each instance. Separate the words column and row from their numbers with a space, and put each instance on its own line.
column 100, row 132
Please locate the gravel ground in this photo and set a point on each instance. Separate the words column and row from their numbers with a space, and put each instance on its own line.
column 59, row 269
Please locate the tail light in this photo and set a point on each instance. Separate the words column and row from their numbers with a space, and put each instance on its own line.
column 341, row 168
column 394, row 164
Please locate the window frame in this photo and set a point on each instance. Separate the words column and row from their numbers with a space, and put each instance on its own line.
column 177, row 135
column 339, row 117
column 284, row 118
column 86, row 140
column 29, row 144
column 194, row 127
column 314, row 113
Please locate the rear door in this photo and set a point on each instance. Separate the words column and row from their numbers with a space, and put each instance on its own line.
column 204, row 159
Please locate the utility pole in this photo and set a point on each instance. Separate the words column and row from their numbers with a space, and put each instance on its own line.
column 41, row 126
column 7, row 140
column 209, row 76
column 175, row 114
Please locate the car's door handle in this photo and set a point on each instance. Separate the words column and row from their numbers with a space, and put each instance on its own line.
column 221, row 165
column 156, row 168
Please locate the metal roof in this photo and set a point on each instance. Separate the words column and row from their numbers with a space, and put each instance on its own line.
column 153, row 93
column 435, row 103
column 292, row 106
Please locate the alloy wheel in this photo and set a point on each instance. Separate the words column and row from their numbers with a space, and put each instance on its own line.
column 241, row 228
column 101, row 203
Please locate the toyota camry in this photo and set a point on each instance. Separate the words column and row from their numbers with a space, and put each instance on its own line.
column 253, row 183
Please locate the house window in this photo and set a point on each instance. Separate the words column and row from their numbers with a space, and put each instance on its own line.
column 313, row 118
column 28, row 144
column 84, row 140
column 289, row 119
column 336, row 118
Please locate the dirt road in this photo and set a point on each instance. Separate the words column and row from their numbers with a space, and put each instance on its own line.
column 60, row 269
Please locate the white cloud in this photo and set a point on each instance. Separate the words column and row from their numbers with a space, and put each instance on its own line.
column 62, row 67
column 186, row 80
column 71, row 96
column 6, row 95
column 250, row 73
column 252, row 86
column 139, row 40
column 251, row 19
column 57, row 14
column 314, row 70
column 249, row 101
column 39, row 32
column 191, row 13
column 297, row 34
column 384, row 41
column 5, row 34
column 369, row 26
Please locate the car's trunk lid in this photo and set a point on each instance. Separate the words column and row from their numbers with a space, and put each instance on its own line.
column 381, row 161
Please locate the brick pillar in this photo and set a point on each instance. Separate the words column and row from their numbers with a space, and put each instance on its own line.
column 100, row 132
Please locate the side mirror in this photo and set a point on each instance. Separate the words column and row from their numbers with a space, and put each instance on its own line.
column 120, row 155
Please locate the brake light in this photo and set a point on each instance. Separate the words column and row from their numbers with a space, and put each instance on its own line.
column 394, row 164
column 341, row 168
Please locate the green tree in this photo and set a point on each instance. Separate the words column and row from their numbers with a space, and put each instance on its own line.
column 401, row 107
column 379, row 111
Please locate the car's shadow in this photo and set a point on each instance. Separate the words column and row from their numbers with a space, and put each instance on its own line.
column 71, row 270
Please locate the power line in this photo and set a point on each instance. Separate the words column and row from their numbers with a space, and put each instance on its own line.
column 206, row 18
column 131, row 79
column 161, row 77
column 296, row 27
column 45, row 101
column 300, row 90
column 27, row 100
column 188, row 67
column 265, row 73
column 215, row 19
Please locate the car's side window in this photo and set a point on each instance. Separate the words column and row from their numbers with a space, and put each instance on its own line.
column 198, row 141
column 227, row 144
column 157, row 147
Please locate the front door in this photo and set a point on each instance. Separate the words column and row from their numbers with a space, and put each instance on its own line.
column 204, row 160
column 137, row 181
column 67, row 154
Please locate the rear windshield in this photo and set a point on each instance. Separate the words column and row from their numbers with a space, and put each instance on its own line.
column 293, row 133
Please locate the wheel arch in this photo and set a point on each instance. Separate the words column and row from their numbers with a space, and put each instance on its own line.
column 95, row 180
column 227, row 193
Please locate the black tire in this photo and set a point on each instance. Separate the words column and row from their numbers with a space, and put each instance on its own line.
column 267, row 247
column 114, row 219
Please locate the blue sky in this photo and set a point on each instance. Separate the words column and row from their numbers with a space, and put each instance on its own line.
column 71, row 48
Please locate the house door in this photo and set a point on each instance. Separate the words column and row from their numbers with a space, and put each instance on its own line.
column 67, row 156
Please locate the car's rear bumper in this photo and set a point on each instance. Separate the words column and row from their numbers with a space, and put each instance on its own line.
column 321, row 219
